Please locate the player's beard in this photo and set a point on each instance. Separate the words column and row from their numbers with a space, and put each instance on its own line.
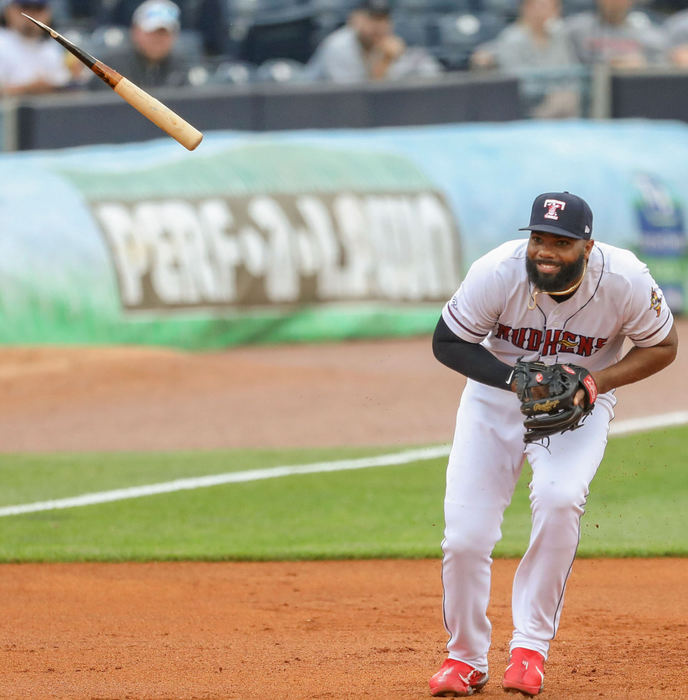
column 559, row 281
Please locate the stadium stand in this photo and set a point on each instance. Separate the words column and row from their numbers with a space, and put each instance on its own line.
column 286, row 32
column 458, row 35
column 254, row 31
column 251, row 52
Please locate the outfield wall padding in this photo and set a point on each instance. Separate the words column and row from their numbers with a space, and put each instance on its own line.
column 310, row 235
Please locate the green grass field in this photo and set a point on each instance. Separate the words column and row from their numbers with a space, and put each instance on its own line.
column 636, row 507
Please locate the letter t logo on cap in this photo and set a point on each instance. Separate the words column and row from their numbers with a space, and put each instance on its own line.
column 552, row 205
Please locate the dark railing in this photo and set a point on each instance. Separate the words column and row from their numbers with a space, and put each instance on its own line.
column 87, row 117
column 81, row 118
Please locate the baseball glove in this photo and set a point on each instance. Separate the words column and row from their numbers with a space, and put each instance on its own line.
column 546, row 393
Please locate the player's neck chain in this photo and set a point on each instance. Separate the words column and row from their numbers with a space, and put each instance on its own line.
column 533, row 295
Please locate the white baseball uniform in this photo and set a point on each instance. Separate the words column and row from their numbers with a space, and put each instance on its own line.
column 617, row 299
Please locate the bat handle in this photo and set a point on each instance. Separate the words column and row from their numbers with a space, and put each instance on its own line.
column 159, row 114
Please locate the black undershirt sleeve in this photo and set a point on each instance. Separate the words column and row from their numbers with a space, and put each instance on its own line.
column 470, row 359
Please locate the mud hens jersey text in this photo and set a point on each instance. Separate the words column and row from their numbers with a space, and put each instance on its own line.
column 617, row 299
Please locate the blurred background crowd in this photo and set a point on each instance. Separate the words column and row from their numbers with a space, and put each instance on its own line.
column 550, row 44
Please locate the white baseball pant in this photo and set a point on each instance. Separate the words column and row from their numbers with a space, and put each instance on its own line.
column 485, row 463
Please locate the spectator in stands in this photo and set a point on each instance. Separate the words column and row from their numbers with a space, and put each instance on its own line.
column 616, row 36
column 30, row 61
column 536, row 48
column 677, row 32
column 150, row 60
column 367, row 48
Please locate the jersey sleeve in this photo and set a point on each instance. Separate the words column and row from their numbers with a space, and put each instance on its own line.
column 648, row 318
column 474, row 309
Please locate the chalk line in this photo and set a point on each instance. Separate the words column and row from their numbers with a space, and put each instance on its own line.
column 625, row 427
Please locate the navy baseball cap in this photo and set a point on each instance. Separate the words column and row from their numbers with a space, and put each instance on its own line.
column 562, row 213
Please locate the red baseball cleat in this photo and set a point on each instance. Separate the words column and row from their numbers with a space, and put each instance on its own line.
column 456, row 679
column 525, row 672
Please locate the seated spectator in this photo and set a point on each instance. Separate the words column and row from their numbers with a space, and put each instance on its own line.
column 366, row 48
column 677, row 32
column 30, row 61
column 536, row 48
column 150, row 59
column 616, row 36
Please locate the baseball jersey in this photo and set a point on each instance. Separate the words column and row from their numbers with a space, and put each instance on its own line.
column 617, row 299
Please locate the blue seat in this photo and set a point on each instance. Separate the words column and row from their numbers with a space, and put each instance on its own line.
column 257, row 8
column 413, row 29
column 279, row 70
column 434, row 6
column 239, row 28
column 106, row 39
column 230, row 72
column 460, row 34
column 288, row 33
column 506, row 9
column 573, row 7
column 330, row 15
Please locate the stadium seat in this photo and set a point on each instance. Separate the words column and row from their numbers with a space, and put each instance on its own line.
column 225, row 24
column 666, row 7
column 190, row 44
column 107, row 38
column 572, row 7
column 211, row 20
column 279, row 70
column 287, row 33
column 330, row 15
column 232, row 73
column 258, row 8
column 414, row 30
column 460, row 34
column 60, row 10
column 506, row 9
column 198, row 75
column 434, row 6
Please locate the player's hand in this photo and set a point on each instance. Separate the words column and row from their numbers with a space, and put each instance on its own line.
column 539, row 392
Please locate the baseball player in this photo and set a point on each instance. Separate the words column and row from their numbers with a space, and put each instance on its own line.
column 555, row 297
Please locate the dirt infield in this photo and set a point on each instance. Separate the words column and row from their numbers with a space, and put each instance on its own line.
column 293, row 630
column 318, row 630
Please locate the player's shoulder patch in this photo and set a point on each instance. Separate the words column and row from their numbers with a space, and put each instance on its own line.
column 656, row 300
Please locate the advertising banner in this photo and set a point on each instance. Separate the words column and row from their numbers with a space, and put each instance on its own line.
column 311, row 235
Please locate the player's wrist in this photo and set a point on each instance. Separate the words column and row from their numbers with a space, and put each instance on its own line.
column 600, row 382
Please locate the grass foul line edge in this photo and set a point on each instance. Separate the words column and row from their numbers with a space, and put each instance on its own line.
column 199, row 482
column 416, row 455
